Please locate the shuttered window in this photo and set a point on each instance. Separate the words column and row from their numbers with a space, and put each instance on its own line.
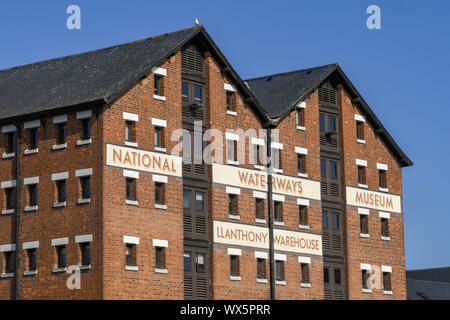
column 331, row 180
column 195, row 214
column 333, row 281
column 192, row 59
column 329, row 131
column 196, row 274
column 332, row 231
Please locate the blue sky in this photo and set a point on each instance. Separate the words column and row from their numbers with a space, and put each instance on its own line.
column 401, row 70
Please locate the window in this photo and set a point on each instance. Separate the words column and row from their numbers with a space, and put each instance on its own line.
column 279, row 270
column 130, row 189
column 61, row 191
column 278, row 211
column 360, row 130
column 322, row 122
column 200, row 265
column 160, row 193
column 159, row 137
column 199, row 201
column 305, row 273
column 86, row 129
column 259, row 206
column 333, row 170
column 323, row 168
column 257, row 158
column 187, row 261
column 130, row 131
column 232, row 150
column 233, row 205
column 11, row 142
column 185, row 92
column 10, row 202
column 33, row 142
column 130, row 257
column 335, row 220
column 362, row 175
column 332, row 124
column 326, row 275
column 186, row 199
column 364, row 224
column 61, row 256
column 382, row 179
column 234, row 266
column 276, row 158
column 158, row 85
column 32, row 193
column 301, row 163
column 300, row 117
column 230, row 101
column 85, row 250
column 365, row 279
column 324, row 220
column 9, row 261
column 32, row 259
column 337, row 276
column 387, row 281
column 198, row 95
column 261, row 268
column 61, row 133
column 85, row 187
column 160, row 258
column 303, row 215
column 384, row 227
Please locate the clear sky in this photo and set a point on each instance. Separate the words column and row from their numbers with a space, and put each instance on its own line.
column 401, row 70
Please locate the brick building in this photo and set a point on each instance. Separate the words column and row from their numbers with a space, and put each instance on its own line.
column 105, row 174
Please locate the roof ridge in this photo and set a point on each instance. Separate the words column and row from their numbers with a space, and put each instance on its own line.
column 102, row 49
column 290, row 72
column 438, row 268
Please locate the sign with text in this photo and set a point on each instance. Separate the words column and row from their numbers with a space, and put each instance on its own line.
column 237, row 234
column 142, row 160
column 257, row 180
column 374, row 200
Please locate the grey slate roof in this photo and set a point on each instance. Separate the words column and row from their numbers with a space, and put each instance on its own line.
column 428, row 284
column 86, row 77
column 277, row 93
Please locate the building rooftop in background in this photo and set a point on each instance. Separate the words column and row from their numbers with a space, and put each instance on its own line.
column 428, row 284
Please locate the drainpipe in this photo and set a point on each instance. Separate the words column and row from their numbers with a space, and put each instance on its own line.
column 16, row 274
column 270, row 212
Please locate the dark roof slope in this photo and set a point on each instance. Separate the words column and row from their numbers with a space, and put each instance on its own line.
column 435, row 274
column 96, row 75
column 277, row 93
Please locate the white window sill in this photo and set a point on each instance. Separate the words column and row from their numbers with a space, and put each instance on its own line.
column 159, row 149
column 84, row 142
column 281, row 283
column 59, row 204
column 30, row 273
column 8, row 155
column 162, row 271
column 232, row 162
column 361, row 141
column 278, row 170
column 305, row 285
column 8, row 211
column 384, row 190
column 364, row 235
column 388, row 293
column 88, row 267
column 157, row 97
column 232, row 113
column 234, row 217
column 364, row 186
column 258, row 167
column 161, row 206
column 262, row 281
column 263, row 221
column 59, row 270
column 28, row 152
column 279, row 223
column 7, row 275
column 84, row 201
column 131, row 144
column 235, row 278
column 366, row 290
column 302, row 175
column 301, row 128
column 300, row 226
column 385, row 238
column 132, row 202
column 131, row 268
column 31, row 209
column 59, row 146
